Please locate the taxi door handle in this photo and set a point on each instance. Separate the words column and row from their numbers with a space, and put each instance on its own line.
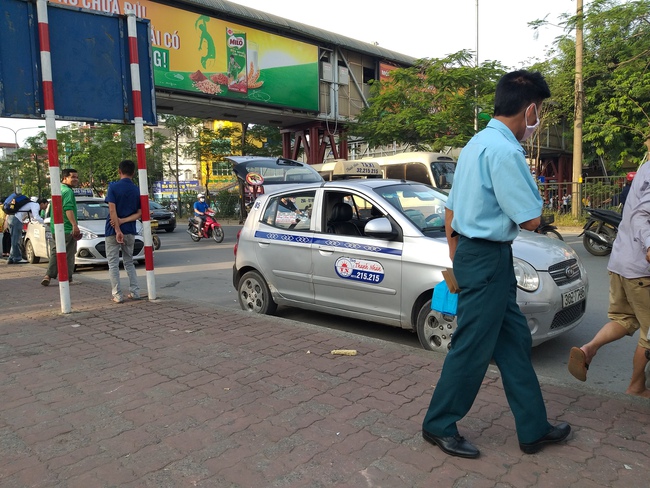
column 326, row 249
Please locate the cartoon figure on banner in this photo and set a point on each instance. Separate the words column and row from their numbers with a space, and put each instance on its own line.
column 210, row 51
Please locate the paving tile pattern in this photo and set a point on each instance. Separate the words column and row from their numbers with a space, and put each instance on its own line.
column 171, row 394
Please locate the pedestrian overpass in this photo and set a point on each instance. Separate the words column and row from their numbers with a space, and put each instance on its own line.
column 215, row 59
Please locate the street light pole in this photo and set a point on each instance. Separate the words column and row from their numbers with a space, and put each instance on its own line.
column 476, row 86
column 576, row 203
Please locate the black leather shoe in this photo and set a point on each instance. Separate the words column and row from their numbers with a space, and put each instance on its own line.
column 454, row 446
column 557, row 434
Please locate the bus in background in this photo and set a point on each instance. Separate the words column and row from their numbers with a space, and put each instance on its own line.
column 431, row 168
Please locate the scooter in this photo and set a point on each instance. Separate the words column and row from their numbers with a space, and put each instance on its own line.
column 212, row 228
column 547, row 228
column 600, row 231
column 155, row 239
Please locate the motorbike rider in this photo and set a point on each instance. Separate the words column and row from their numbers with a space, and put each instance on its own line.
column 200, row 207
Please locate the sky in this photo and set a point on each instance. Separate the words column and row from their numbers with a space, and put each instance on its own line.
column 417, row 28
column 434, row 28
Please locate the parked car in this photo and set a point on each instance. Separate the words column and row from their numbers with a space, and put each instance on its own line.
column 374, row 250
column 91, row 249
column 165, row 217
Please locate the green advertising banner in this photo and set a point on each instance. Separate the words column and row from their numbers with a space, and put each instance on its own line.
column 203, row 55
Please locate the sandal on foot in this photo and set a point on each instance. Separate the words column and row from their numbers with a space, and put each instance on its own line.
column 131, row 296
column 578, row 364
column 118, row 300
column 45, row 281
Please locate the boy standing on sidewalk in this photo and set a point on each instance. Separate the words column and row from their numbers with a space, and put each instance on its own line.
column 123, row 198
column 70, row 180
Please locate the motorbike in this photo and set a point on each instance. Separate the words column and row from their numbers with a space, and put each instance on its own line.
column 155, row 238
column 547, row 228
column 600, row 231
column 212, row 228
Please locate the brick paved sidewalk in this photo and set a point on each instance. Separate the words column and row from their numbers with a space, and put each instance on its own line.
column 171, row 394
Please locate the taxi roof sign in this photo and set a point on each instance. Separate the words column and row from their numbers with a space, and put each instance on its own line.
column 343, row 168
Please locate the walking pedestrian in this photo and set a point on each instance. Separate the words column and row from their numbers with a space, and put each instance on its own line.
column 629, row 288
column 626, row 189
column 4, row 228
column 28, row 211
column 123, row 198
column 490, row 326
column 70, row 180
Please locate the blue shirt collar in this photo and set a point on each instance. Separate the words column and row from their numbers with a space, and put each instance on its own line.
column 506, row 132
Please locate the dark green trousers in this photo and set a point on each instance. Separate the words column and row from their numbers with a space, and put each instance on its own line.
column 490, row 326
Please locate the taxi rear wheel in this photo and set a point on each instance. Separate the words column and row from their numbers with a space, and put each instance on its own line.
column 30, row 254
column 254, row 294
column 435, row 329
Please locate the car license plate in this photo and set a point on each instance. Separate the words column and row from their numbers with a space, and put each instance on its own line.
column 163, row 222
column 573, row 296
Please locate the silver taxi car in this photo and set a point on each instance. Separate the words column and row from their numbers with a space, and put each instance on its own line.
column 375, row 249
column 91, row 249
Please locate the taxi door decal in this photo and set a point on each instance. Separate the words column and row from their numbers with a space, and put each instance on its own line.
column 359, row 269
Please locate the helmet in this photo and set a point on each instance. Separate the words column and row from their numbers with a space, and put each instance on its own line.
column 630, row 176
column 200, row 195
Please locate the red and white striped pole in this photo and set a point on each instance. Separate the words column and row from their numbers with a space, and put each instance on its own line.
column 140, row 150
column 53, row 154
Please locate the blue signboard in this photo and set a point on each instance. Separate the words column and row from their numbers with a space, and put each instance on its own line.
column 169, row 186
column 91, row 74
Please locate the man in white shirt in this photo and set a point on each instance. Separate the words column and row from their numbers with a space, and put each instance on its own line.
column 29, row 211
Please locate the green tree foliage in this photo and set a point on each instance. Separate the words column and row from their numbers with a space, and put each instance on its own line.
column 95, row 152
column 33, row 169
column 616, row 79
column 179, row 127
column 8, row 175
column 261, row 140
column 211, row 146
column 431, row 105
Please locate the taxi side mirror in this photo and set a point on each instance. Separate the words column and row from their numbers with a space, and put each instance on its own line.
column 380, row 228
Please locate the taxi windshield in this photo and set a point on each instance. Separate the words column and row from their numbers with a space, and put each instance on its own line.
column 421, row 204
column 92, row 211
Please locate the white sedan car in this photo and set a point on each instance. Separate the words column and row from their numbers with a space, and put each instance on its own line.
column 375, row 249
column 91, row 249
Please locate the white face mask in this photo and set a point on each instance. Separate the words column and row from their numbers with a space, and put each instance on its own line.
column 530, row 128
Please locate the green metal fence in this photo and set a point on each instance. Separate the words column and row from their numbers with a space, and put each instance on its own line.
column 593, row 192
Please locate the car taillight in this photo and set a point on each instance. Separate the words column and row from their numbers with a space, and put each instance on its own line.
column 236, row 243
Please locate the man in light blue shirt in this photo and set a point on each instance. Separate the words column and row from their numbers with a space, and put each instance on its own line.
column 493, row 196
column 503, row 192
column 629, row 288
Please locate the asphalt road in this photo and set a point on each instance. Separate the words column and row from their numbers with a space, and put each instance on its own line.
column 202, row 271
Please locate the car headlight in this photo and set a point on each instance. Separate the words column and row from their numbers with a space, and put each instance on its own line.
column 86, row 234
column 527, row 277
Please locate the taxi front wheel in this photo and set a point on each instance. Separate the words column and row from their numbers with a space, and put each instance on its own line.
column 254, row 294
column 435, row 329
